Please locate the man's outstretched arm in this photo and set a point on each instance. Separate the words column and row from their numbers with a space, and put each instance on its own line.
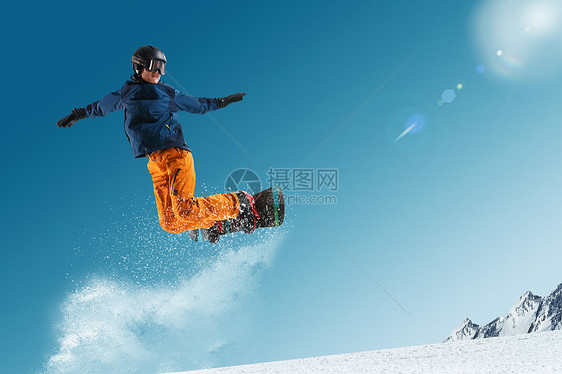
column 202, row 105
column 108, row 104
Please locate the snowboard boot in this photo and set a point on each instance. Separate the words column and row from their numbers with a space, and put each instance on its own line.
column 214, row 232
column 194, row 234
column 248, row 216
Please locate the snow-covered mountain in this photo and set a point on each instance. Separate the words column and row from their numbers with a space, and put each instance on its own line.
column 531, row 313
column 521, row 354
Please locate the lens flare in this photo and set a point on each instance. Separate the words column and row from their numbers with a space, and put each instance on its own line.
column 448, row 96
column 518, row 38
column 507, row 64
column 540, row 17
column 408, row 129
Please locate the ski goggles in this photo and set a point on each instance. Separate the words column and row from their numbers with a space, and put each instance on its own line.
column 152, row 65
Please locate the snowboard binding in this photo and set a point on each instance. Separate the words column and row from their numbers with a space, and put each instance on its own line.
column 264, row 209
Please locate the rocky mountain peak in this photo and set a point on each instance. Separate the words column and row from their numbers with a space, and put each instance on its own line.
column 531, row 313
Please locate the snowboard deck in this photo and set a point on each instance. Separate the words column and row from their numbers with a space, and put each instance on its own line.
column 270, row 205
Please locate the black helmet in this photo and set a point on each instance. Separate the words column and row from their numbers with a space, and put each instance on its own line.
column 149, row 57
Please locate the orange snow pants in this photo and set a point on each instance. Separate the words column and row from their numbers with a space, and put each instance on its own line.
column 173, row 175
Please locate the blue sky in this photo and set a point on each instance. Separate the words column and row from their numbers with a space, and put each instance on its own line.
column 455, row 220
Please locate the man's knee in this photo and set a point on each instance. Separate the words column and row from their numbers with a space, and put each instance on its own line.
column 169, row 227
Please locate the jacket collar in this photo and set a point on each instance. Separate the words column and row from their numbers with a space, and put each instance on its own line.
column 135, row 78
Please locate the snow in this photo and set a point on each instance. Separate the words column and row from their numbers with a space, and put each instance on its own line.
column 529, row 353
column 114, row 325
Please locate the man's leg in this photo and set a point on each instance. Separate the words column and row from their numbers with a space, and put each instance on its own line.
column 200, row 212
column 161, row 181
column 173, row 175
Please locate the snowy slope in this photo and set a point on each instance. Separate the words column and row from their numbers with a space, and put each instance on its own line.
column 530, row 314
column 529, row 353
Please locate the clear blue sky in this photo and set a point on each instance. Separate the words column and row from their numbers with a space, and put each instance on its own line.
column 456, row 219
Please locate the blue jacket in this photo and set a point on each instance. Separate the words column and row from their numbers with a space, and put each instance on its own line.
column 151, row 114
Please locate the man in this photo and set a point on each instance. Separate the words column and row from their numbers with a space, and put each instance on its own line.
column 154, row 131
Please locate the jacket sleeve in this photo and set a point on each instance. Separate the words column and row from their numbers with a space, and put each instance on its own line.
column 197, row 105
column 103, row 107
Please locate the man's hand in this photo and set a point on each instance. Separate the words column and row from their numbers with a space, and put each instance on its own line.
column 72, row 118
column 224, row 101
column 236, row 97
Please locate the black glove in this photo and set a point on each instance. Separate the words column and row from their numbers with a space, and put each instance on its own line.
column 72, row 118
column 224, row 101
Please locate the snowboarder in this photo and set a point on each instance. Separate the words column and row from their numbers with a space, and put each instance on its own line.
column 153, row 129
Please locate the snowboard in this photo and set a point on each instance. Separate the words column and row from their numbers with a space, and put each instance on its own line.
column 270, row 205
